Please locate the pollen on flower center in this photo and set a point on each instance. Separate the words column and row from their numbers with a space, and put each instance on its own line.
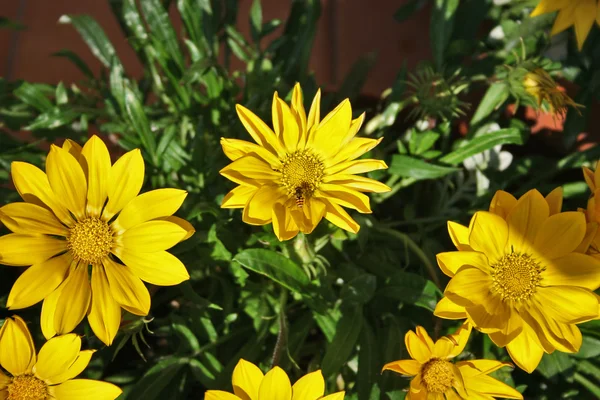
column 437, row 375
column 301, row 174
column 516, row 276
column 90, row 240
column 27, row 387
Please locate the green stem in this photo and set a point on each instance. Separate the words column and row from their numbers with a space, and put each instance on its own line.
column 281, row 343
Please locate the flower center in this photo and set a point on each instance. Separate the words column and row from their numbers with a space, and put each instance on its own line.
column 301, row 174
column 516, row 276
column 437, row 375
column 27, row 387
column 90, row 240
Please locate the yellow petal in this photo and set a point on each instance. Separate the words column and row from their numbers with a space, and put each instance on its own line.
column 332, row 130
column 74, row 300
column 31, row 218
column 525, row 350
column 238, row 197
column 469, row 287
column 78, row 389
column 183, row 224
column 445, row 308
column 275, row 386
column 488, row 233
column 502, row 203
column 22, row 250
column 309, row 387
column 354, row 128
column 512, row 327
column 425, row 338
column 417, row 349
column 589, row 176
column 552, row 334
column 56, row 356
column 334, row 396
column 235, row 149
column 289, row 132
column 127, row 289
column 76, row 368
column 585, row 14
column 351, row 151
column 339, row 217
column 404, row 367
column 452, row 261
column 573, row 270
column 33, row 187
column 150, row 205
column 547, row 6
column 356, row 167
column 96, row 158
column 555, row 200
column 105, row 313
column 560, row 234
column 38, row 282
column 250, row 170
column 345, row 197
column 260, row 132
column 150, row 237
column 4, row 381
column 489, row 387
column 564, row 19
column 219, row 395
column 258, row 211
column 358, row 183
column 67, row 180
column 525, row 221
column 284, row 226
column 567, row 304
column 482, row 367
column 48, row 312
column 308, row 217
column 460, row 337
column 17, row 351
column 492, row 314
column 160, row 268
column 591, row 230
column 73, row 148
column 459, row 234
column 124, row 183
column 246, row 380
column 314, row 114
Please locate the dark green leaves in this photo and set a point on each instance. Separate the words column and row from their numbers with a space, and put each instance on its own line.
column 442, row 24
column 346, row 335
column 482, row 143
column 407, row 166
column 93, row 35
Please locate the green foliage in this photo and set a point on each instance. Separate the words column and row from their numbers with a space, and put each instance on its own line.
column 332, row 300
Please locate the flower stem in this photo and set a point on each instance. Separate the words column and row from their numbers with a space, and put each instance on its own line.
column 281, row 343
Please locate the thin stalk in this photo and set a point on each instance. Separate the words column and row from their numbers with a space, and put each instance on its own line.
column 281, row 343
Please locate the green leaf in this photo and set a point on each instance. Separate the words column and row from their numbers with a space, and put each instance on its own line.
column 75, row 59
column 407, row 166
column 275, row 266
column 346, row 335
column 36, row 95
column 53, row 119
column 411, row 288
column 555, row 363
column 494, row 97
column 137, row 116
column 93, row 35
column 61, row 94
column 442, row 24
column 256, row 20
column 421, row 142
column 482, row 143
column 157, row 379
column 360, row 290
column 161, row 30
column 369, row 363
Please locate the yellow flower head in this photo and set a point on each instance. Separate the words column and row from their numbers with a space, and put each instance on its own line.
column 249, row 383
column 436, row 377
column 539, row 84
column 302, row 171
column 521, row 275
column 578, row 13
column 49, row 375
column 84, row 212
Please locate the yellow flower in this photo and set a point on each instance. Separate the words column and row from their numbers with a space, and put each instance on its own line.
column 436, row 378
column 303, row 171
column 249, row 383
column 84, row 212
column 579, row 13
column 521, row 275
column 539, row 84
column 50, row 374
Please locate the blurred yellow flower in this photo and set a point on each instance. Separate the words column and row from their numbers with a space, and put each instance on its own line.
column 50, row 374
column 249, row 383
column 302, row 171
column 84, row 212
column 578, row 13
column 539, row 84
column 521, row 275
column 435, row 377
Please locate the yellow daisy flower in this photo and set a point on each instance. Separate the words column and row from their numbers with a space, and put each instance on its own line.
column 539, row 84
column 521, row 275
column 578, row 13
column 249, row 383
column 84, row 212
column 51, row 374
column 302, row 171
column 437, row 378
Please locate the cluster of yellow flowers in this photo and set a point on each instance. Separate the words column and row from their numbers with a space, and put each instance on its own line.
column 524, row 272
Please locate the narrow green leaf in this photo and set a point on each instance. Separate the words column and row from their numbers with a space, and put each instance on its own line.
column 75, row 59
column 359, row 290
column 161, row 30
column 60, row 94
column 93, row 35
column 369, row 363
column 35, row 95
column 157, row 379
column 407, row 166
column 494, row 97
column 137, row 116
column 442, row 24
column 346, row 335
column 256, row 20
column 411, row 288
column 482, row 143
column 274, row 266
